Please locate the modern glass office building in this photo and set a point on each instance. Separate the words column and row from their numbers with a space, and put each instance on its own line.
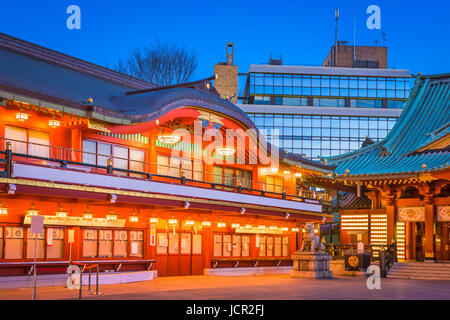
column 324, row 111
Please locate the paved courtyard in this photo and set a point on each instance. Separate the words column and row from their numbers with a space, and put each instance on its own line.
column 248, row 288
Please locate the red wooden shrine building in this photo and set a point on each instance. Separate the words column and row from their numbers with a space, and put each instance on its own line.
column 133, row 175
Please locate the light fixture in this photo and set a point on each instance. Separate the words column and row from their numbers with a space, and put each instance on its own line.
column 242, row 210
column 153, row 220
column 88, row 215
column 284, row 229
column 274, row 169
column 22, row 116
column 189, row 222
column 286, row 172
column 295, row 229
column 298, row 174
column 111, row 217
column 32, row 211
column 262, row 227
column 54, row 123
column 61, row 213
column 173, row 221
column 134, row 219
column 225, row 151
column 206, row 223
column 273, row 227
column 169, row 138
column 235, row 225
column 248, row 226
column 3, row 210
column 186, row 205
column 288, row 215
column 316, row 230
column 221, row 224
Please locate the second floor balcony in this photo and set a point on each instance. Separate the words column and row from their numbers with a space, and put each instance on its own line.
column 36, row 161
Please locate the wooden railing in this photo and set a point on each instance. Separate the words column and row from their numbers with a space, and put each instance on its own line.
column 49, row 155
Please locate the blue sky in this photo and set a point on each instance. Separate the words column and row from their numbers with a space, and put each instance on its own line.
column 302, row 31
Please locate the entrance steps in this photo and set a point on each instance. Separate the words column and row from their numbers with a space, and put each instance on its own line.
column 420, row 271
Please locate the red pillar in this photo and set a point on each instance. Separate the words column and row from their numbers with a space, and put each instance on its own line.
column 429, row 232
column 76, row 144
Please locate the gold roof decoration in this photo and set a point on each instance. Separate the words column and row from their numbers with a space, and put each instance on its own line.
column 97, row 125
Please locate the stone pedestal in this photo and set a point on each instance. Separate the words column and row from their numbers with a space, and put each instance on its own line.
column 311, row 265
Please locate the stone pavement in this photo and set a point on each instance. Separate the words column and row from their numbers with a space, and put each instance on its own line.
column 248, row 288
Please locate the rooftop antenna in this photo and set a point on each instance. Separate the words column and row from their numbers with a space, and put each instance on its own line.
column 384, row 37
column 336, row 15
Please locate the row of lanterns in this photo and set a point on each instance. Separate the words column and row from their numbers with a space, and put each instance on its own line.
column 23, row 116
column 88, row 215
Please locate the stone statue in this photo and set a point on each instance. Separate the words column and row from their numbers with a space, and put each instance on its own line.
column 311, row 241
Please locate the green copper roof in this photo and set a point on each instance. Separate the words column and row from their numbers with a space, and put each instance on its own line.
column 425, row 119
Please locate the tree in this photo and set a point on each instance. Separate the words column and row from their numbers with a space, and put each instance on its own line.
column 162, row 63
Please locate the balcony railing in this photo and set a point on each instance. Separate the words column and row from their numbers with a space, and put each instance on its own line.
column 100, row 163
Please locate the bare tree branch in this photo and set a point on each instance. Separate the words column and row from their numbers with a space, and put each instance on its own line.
column 162, row 63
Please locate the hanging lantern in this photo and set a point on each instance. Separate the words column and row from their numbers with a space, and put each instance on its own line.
column 111, row 217
column 32, row 211
column 3, row 210
column 22, row 116
column 54, row 123
column 225, row 151
column 61, row 213
column 88, row 214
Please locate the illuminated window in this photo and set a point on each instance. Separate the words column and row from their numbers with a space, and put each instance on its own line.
column 27, row 141
column 136, row 243
column 40, row 247
column 14, row 241
column 120, row 243
column 90, row 244
column 56, row 250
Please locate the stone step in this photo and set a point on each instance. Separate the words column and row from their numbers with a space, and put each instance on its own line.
column 416, row 277
column 443, row 274
column 421, row 267
column 424, row 269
